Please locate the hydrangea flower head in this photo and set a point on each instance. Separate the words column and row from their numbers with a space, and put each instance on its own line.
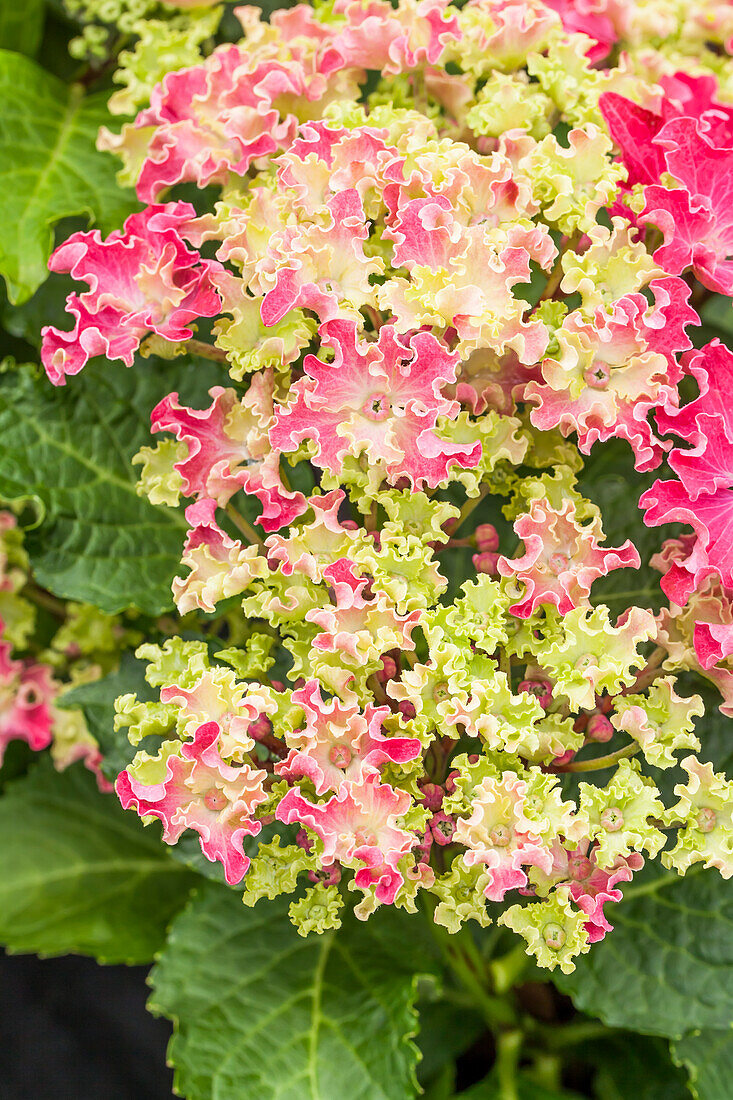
column 430, row 297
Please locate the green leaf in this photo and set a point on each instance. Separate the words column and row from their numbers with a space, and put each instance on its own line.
column 49, row 168
column 527, row 1089
column 46, row 307
column 715, row 731
column 609, row 479
column 97, row 702
column 21, row 26
column 445, row 1033
column 71, row 449
column 668, row 965
column 708, row 1058
column 79, row 874
column 717, row 313
column 263, row 1013
column 638, row 1066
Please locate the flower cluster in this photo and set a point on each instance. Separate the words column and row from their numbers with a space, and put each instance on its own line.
column 39, row 662
column 431, row 298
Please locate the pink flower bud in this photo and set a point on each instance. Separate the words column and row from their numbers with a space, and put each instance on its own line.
column 406, row 709
column 566, row 757
column 450, row 783
column 422, row 848
column 442, row 826
column 541, row 689
column 486, row 562
column 599, row 728
column 487, row 537
column 388, row 670
column 303, row 840
column 278, row 685
column 350, row 524
column 260, row 728
column 432, row 795
column 329, row 874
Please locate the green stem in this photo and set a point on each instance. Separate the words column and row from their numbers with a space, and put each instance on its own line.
column 547, row 1071
column 244, row 526
column 452, row 544
column 651, row 670
column 506, row 970
column 556, row 275
column 377, row 690
column 206, row 351
column 467, row 509
column 44, row 599
column 285, row 479
column 565, row 1035
column 508, row 1049
column 469, row 967
column 600, row 762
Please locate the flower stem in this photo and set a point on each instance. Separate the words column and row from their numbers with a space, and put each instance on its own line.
column 470, row 968
column 577, row 1031
column 467, row 509
column 508, row 1048
column 244, row 526
column 206, row 351
column 376, row 689
column 651, row 670
column 507, row 969
column 600, row 762
column 44, row 599
column 505, row 664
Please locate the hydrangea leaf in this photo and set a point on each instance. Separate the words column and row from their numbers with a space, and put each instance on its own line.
column 610, row 480
column 21, row 26
column 717, row 315
column 668, row 966
column 708, row 1058
column 338, row 1008
column 444, row 1035
column 635, row 1065
column 71, row 449
column 49, row 167
column 527, row 1089
column 79, row 874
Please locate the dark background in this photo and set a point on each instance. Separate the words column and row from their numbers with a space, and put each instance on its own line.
column 73, row 1030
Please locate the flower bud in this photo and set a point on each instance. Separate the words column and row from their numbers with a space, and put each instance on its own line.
column 487, row 537
column 260, row 728
column 450, row 783
column 442, row 826
column 599, row 728
column 541, row 689
column 432, row 795
column 388, row 670
column 329, row 874
column 485, row 562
